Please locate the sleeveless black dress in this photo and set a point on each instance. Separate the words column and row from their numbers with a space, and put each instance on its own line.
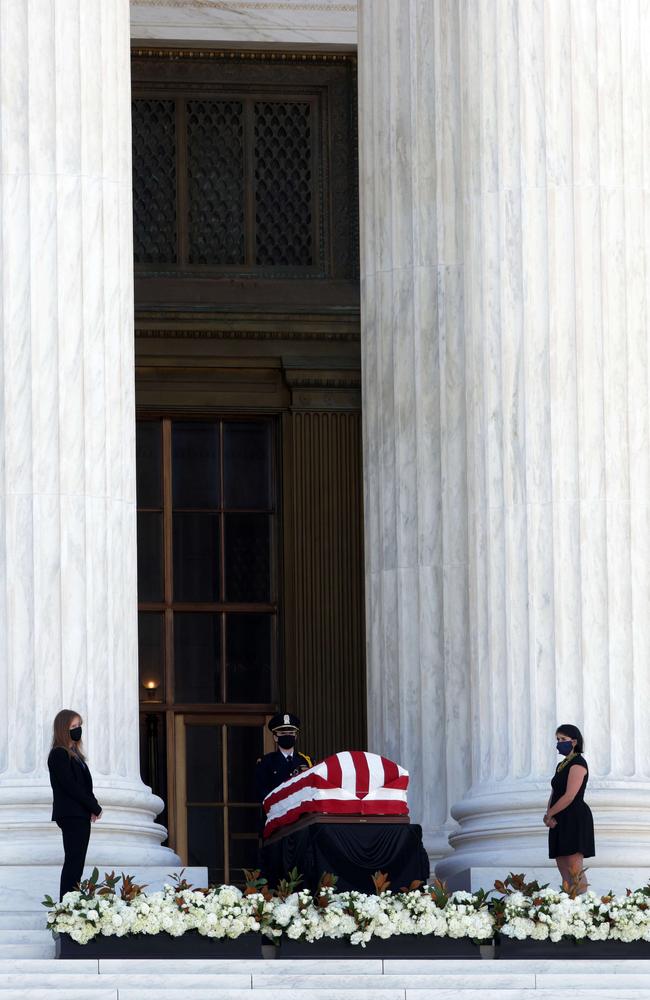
column 574, row 833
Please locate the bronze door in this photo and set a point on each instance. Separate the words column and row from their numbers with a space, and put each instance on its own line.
column 208, row 625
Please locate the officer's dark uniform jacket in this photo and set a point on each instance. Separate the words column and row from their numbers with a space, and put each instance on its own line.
column 274, row 768
column 72, row 786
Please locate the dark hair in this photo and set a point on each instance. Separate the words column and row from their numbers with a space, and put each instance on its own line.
column 574, row 733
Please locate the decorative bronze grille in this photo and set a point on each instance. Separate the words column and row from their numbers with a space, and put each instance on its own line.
column 243, row 167
column 154, row 181
column 283, row 184
column 215, row 182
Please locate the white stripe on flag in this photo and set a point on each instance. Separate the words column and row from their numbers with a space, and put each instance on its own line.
column 349, row 773
column 376, row 769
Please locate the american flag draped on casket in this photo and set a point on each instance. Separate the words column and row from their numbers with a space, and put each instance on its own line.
column 351, row 783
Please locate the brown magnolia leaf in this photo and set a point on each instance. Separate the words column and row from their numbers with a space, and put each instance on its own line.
column 381, row 882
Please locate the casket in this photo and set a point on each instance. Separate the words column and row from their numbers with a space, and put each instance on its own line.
column 351, row 783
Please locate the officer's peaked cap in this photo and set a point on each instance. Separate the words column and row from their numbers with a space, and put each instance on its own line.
column 284, row 722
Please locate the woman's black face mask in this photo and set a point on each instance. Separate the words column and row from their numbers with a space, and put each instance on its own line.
column 75, row 734
column 286, row 742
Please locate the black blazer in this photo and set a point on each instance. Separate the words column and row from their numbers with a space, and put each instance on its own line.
column 274, row 768
column 72, row 786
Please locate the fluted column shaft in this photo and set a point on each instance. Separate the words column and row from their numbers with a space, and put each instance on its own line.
column 504, row 153
column 414, row 412
column 556, row 178
column 67, row 460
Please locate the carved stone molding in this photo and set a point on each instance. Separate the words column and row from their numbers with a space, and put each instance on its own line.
column 351, row 336
column 328, row 384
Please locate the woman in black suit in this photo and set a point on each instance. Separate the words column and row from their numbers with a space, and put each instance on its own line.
column 74, row 806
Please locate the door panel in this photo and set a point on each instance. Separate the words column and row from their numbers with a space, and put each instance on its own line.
column 217, row 815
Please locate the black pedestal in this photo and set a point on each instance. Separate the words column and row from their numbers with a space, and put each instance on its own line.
column 352, row 851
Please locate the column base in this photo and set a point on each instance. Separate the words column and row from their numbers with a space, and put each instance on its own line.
column 126, row 835
column 24, row 886
column 436, row 842
column 601, row 880
column 501, row 828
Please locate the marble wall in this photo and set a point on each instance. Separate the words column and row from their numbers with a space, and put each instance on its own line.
column 68, row 630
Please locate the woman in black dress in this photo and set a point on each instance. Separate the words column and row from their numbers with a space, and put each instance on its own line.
column 74, row 807
column 568, row 817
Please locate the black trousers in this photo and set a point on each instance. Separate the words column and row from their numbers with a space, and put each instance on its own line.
column 76, row 834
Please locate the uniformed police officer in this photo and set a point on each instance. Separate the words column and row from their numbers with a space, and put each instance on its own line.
column 285, row 761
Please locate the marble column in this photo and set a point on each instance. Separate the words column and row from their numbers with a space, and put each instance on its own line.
column 505, row 231
column 556, row 178
column 67, row 459
column 414, row 437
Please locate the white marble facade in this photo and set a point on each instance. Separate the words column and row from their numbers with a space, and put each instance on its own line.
column 504, row 234
column 504, row 194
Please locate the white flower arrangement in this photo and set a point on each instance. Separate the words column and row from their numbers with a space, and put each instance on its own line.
column 523, row 911
column 527, row 910
column 227, row 912
column 96, row 908
column 358, row 917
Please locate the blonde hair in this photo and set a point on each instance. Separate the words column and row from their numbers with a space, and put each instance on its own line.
column 61, row 732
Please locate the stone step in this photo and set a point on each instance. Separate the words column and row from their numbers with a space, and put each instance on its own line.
column 12, row 951
column 22, row 935
column 333, row 993
column 356, row 968
column 35, row 966
column 157, row 993
column 173, row 980
column 33, row 920
column 70, row 993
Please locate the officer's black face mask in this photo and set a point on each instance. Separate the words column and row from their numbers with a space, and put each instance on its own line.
column 75, row 734
column 286, row 742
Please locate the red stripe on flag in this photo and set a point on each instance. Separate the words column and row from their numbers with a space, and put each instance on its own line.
column 361, row 772
column 334, row 772
column 391, row 770
column 337, row 807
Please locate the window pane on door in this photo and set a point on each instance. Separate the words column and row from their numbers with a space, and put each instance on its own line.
column 245, row 746
column 247, row 465
column 205, row 840
column 151, row 655
column 197, row 657
column 248, row 658
column 195, row 465
column 243, row 836
column 204, row 764
column 248, row 563
column 150, row 556
column 148, row 463
column 196, row 557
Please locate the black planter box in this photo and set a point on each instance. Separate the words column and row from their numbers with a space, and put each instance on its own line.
column 571, row 949
column 189, row 945
column 398, row 946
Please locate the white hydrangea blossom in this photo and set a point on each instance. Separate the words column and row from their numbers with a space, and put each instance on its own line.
column 360, row 917
column 223, row 912
column 553, row 915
